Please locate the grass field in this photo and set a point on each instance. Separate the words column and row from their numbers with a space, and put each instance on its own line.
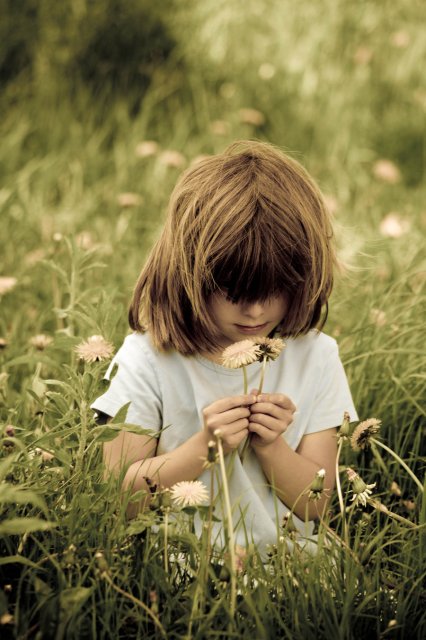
column 83, row 193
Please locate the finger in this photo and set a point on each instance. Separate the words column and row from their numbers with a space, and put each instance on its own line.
column 270, row 409
column 236, row 427
column 231, row 402
column 254, row 392
column 277, row 425
column 277, row 398
column 263, row 432
column 272, row 424
column 228, row 417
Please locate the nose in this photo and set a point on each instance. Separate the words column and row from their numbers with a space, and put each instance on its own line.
column 254, row 310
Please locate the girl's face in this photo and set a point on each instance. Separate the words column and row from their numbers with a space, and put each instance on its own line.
column 238, row 321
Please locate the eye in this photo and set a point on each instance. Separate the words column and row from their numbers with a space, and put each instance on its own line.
column 225, row 293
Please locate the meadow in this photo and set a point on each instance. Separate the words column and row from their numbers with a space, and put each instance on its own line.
column 94, row 136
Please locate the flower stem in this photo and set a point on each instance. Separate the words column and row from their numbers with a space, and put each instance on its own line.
column 381, row 507
column 262, row 374
column 166, row 555
column 339, row 493
column 245, row 379
column 249, row 438
column 230, row 526
column 401, row 462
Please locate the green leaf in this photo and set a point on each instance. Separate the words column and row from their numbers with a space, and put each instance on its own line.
column 72, row 599
column 11, row 494
column 107, row 432
column 21, row 560
column 121, row 414
column 5, row 466
column 19, row 526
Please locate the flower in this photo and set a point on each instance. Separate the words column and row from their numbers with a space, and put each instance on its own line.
column 393, row 226
column 171, row 158
column 129, row 199
column 343, row 432
column 46, row 456
column 240, row 354
column 400, row 39
column 146, row 148
column 317, row 485
column 9, row 431
column 7, row 284
column 240, row 558
column 85, row 240
column 94, row 349
column 360, row 438
column 361, row 491
column 189, row 493
column 252, row 116
column 212, row 455
column 288, row 523
column 395, row 489
column 266, row 71
column 409, row 504
column 363, row 55
column 220, row 127
column 331, row 203
column 378, row 317
column 387, row 171
column 40, row 341
column 270, row 347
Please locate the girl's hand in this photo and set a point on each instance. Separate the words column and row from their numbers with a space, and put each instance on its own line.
column 230, row 415
column 270, row 416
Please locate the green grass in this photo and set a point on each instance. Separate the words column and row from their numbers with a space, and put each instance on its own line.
column 344, row 93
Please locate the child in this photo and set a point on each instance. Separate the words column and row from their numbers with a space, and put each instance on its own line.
column 246, row 251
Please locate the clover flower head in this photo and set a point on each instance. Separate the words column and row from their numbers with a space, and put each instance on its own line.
column 189, row 493
column 343, row 433
column 40, row 341
column 240, row 354
column 361, row 491
column 317, row 485
column 288, row 523
column 270, row 348
column 212, row 455
column 362, row 434
column 94, row 349
column 387, row 171
column 129, row 199
column 147, row 148
column 7, row 283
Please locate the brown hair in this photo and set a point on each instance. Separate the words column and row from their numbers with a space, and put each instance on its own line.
column 249, row 220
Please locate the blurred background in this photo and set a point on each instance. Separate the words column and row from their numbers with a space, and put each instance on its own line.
column 104, row 103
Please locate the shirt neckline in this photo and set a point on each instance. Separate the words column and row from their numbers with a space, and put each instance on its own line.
column 218, row 368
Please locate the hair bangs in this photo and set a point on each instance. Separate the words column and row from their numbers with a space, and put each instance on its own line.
column 255, row 268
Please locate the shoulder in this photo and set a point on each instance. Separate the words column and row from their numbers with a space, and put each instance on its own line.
column 135, row 353
column 314, row 343
column 139, row 352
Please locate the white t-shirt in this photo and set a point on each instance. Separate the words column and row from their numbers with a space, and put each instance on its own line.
column 170, row 390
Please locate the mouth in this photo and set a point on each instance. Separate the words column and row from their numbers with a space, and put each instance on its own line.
column 244, row 328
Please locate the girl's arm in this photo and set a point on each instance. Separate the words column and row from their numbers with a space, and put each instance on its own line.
column 291, row 472
column 136, row 453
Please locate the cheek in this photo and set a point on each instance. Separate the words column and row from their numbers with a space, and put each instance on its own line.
column 280, row 309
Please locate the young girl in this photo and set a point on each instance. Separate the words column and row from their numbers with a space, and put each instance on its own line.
column 246, row 251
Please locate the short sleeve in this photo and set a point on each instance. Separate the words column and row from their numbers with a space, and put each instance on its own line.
column 136, row 382
column 333, row 396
